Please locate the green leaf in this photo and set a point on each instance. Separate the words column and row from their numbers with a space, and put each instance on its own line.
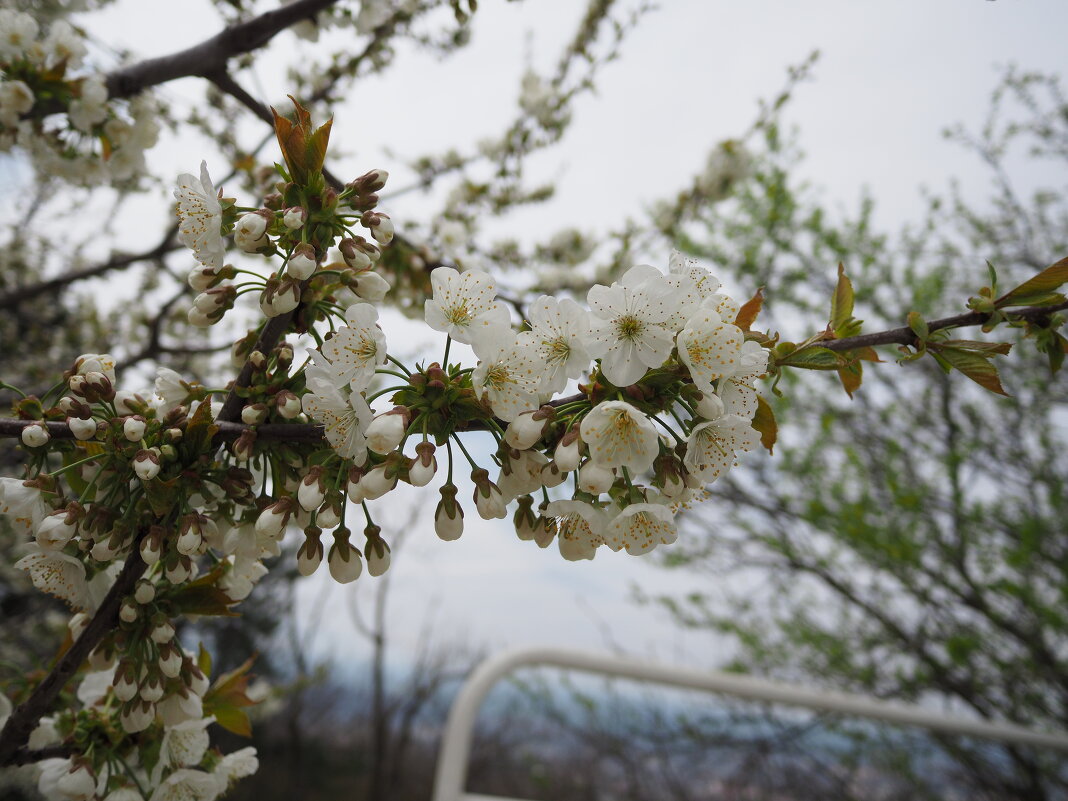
column 233, row 720
column 1045, row 282
column 989, row 348
column 815, row 358
column 764, row 422
column 198, row 433
column 203, row 597
column 204, row 660
column 993, row 277
column 977, row 367
column 842, row 321
column 918, row 326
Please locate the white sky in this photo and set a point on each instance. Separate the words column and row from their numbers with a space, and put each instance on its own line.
column 892, row 75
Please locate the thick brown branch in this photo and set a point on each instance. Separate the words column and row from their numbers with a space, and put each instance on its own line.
column 905, row 335
column 24, row 718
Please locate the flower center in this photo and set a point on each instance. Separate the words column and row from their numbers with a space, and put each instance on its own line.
column 559, row 349
column 458, row 314
column 629, row 327
column 497, row 376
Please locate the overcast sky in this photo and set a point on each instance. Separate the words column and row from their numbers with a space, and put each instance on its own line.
column 891, row 76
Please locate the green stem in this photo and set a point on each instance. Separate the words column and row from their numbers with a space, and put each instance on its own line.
column 65, row 468
column 445, row 358
column 474, row 466
column 398, row 364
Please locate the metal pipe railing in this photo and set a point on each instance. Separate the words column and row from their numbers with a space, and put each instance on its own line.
column 451, row 771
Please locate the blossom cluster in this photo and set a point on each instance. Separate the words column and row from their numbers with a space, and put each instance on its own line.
column 124, row 485
column 608, row 417
column 81, row 135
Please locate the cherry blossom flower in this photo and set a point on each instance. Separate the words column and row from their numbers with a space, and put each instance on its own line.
column 463, row 307
column 711, row 447
column 710, row 348
column 344, row 419
column 200, row 218
column 56, row 573
column 578, row 528
column 618, row 435
column 632, row 323
column 640, row 527
column 189, row 785
column 236, row 765
column 507, row 377
column 559, row 330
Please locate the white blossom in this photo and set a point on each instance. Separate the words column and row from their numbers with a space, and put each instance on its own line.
column 640, row 527
column 507, row 377
column 463, row 307
column 189, row 785
column 559, row 330
column 344, row 419
column 711, row 447
column 58, row 574
column 631, row 323
column 578, row 528
column 200, row 218
column 618, row 435
column 710, row 348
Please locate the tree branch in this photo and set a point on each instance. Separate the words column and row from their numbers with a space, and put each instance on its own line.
column 906, row 336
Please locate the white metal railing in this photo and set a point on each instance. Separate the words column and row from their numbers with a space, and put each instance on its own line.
column 451, row 774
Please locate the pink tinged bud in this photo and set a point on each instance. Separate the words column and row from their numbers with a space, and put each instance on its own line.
column 294, row 218
column 344, row 560
column 312, row 491
column 54, row 531
column 386, row 431
column 310, row 555
column 425, row 465
column 82, row 429
column 133, row 428
column 595, row 479
column 372, row 287
column 34, row 436
column 524, row 431
column 128, row 612
column 375, row 484
column 710, row 406
column 287, row 403
column 146, row 464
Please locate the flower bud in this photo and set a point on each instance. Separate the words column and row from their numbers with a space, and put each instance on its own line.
column 250, row 233
column 329, row 515
column 301, row 265
column 489, row 501
column 524, row 519
column 524, row 431
column 375, row 484
column 386, row 431
column 310, row 555
column 152, row 688
column 146, row 464
column 287, row 403
column 595, row 479
column 286, row 297
column 449, row 516
column 552, row 475
column 376, row 550
column 82, row 429
column 354, row 255
column 35, row 436
column 133, row 428
column 254, row 414
column 55, row 531
column 371, row 287
column 124, row 685
column 162, row 631
column 294, row 218
column 272, row 520
column 344, row 560
column 128, row 612
column 424, row 466
column 380, row 225
column 312, row 490
column 709, row 406
column 136, row 716
column 152, row 545
column 567, row 454
column 144, row 592
column 170, row 661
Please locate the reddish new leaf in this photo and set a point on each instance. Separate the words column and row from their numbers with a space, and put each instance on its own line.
column 748, row 313
column 764, row 422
